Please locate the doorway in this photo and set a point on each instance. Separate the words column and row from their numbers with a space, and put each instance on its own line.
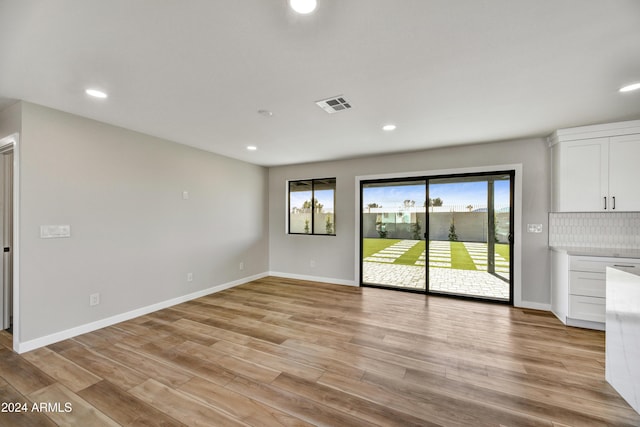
column 6, row 238
column 449, row 235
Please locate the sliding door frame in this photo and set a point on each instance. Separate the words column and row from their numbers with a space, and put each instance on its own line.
column 515, row 297
column 511, row 173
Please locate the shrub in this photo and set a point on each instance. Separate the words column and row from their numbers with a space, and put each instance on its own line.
column 380, row 228
column 328, row 225
column 453, row 237
column 416, row 228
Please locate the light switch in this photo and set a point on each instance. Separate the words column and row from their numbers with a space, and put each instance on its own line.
column 534, row 228
column 185, row 195
column 55, row 231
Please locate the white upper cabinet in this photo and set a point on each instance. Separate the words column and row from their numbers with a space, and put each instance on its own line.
column 624, row 172
column 596, row 168
column 582, row 174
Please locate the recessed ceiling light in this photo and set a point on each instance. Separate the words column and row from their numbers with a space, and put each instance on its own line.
column 303, row 6
column 252, row 147
column 96, row 93
column 265, row 113
column 389, row 128
column 629, row 88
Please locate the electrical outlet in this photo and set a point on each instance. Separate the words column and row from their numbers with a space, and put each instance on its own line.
column 55, row 231
column 241, row 266
column 312, row 263
column 94, row 299
column 189, row 277
column 534, row 228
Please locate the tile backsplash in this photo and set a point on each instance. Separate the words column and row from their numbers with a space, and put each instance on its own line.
column 595, row 230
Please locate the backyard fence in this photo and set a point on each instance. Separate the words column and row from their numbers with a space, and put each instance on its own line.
column 469, row 226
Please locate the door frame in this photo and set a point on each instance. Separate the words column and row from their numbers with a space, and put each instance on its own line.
column 11, row 142
column 516, row 296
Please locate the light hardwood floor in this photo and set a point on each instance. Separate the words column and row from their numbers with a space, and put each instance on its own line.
column 286, row 352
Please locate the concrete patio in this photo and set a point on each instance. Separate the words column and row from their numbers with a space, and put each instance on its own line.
column 379, row 269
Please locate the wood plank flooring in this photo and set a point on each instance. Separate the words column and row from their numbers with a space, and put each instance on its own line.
column 282, row 352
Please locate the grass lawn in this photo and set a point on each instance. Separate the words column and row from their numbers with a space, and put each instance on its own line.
column 411, row 256
column 371, row 246
column 460, row 258
column 503, row 250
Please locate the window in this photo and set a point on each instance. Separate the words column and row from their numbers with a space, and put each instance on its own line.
column 312, row 206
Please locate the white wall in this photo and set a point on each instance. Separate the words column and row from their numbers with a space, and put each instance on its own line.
column 334, row 256
column 133, row 237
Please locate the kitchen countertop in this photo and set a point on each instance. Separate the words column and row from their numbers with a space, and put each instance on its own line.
column 622, row 340
column 602, row 252
column 629, row 270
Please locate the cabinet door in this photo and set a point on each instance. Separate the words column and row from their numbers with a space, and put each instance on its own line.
column 624, row 172
column 583, row 176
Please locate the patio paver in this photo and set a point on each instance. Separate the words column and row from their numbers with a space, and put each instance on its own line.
column 379, row 269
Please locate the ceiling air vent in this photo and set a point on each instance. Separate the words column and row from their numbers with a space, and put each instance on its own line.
column 334, row 104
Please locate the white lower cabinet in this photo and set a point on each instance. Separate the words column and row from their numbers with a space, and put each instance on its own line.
column 587, row 283
column 579, row 287
column 591, row 309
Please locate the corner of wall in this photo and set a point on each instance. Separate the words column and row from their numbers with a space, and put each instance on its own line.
column 11, row 119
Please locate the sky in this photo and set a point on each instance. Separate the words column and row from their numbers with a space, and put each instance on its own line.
column 461, row 194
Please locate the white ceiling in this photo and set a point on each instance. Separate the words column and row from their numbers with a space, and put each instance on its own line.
column 444, row 71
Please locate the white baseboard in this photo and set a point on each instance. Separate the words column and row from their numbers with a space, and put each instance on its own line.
column 103, row 323
column 314, row 278
column 33, row 344
column 534, row 305
column 586, row 324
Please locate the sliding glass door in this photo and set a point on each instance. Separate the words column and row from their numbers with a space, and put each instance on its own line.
column 470, row 236
column 392, row 230
column 468, row 220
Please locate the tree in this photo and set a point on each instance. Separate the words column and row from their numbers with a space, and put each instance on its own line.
column 470, row 207
column 372, row 206
column 452, row 231
column 433, row 202
column 409, row 203
column 317, row 205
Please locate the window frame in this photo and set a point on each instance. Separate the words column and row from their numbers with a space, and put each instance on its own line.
column 313, row 181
